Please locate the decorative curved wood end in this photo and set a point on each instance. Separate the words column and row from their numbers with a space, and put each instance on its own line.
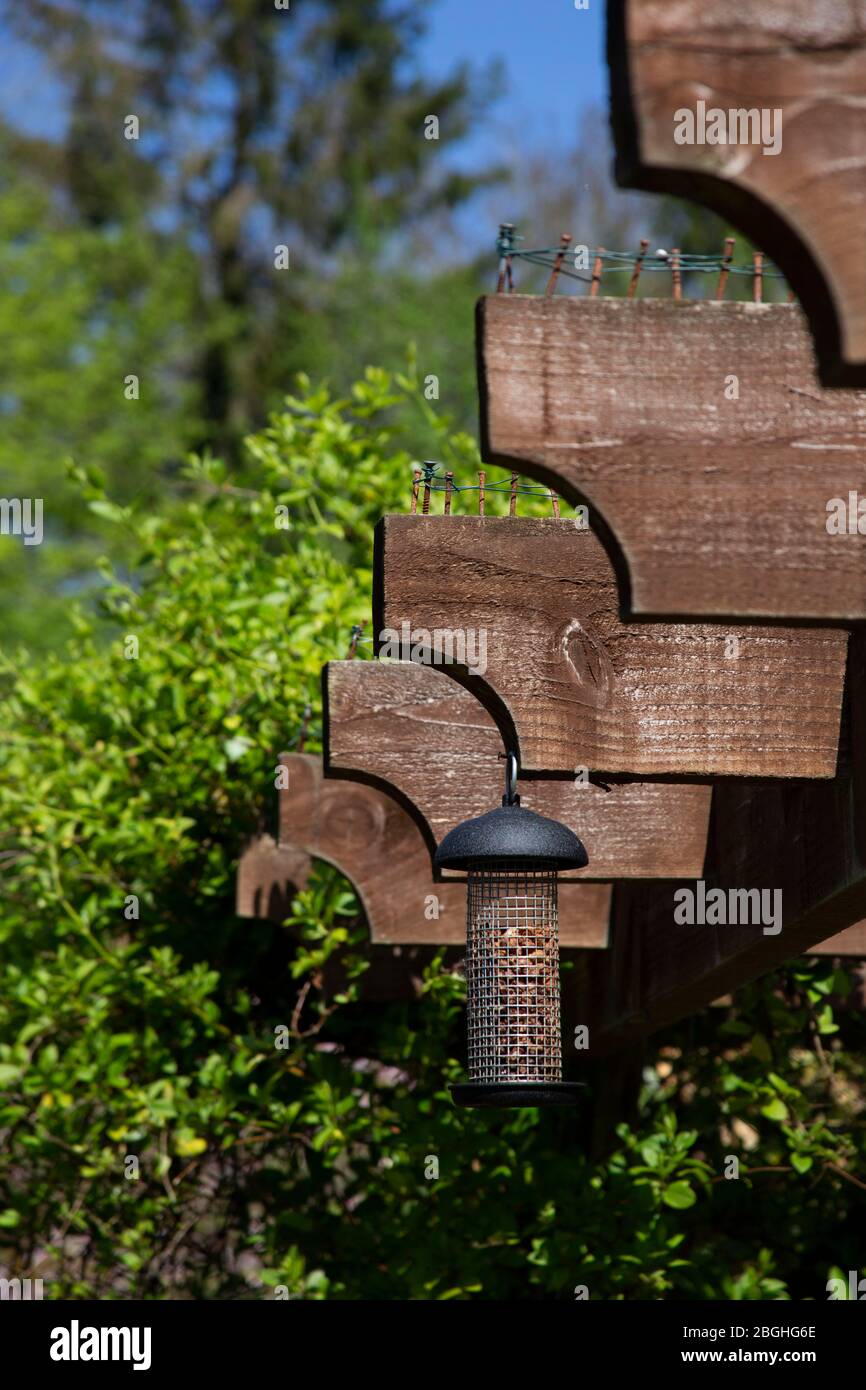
column 802, row 69
column 268, row 877
column 411, row 727
column 371, row 839
column 712, row 507
column 580, row 686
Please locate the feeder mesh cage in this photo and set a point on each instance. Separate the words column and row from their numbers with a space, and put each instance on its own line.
column 512, row 973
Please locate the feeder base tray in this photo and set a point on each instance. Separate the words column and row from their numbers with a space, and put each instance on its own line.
column 512, row 1095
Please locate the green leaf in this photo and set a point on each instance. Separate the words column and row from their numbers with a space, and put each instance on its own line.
column 108, row 510
column 679, row 1195
column 775, row 1110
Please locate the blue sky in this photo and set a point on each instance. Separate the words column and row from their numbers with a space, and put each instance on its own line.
column 553, row 56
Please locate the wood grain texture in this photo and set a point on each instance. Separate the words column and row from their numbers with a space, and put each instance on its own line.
column 808, row 841
column 413, row 728
column 579, row 686
column 268, row 877
column 371, row 839
column 715, row 508
column 804, row 206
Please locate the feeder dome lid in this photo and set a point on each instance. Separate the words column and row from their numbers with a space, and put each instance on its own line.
column 511, row 832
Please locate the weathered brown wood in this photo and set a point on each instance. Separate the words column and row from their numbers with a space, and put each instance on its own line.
column 804, row 205
column 809, row 841
column 851, row 942
column 371, row 839
column 579, row 686
column 413, row 728
column 268, row 877
column 712, row 507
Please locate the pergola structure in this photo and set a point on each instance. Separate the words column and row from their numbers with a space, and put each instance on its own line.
column 683, row 674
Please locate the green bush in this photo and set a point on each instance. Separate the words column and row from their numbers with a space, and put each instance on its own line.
column 148, row 1041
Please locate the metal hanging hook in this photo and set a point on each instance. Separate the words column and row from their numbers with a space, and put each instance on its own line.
column 510, row 798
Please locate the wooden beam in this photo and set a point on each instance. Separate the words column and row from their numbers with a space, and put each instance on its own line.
column 409, row 727
column 804, row 205
column 711, row 506
column 577, row 686
column 851, row 942
column 807, row 841
column 373, row 840
column 268, row 877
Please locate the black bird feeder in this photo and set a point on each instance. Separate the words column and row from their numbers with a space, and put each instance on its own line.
column 512, row 857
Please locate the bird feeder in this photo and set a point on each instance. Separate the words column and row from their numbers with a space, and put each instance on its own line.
column 512, row 857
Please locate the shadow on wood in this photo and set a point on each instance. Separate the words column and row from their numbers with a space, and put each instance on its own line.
column 371, row 839
column 409, row 727
column 268, row 877
column 806, row 842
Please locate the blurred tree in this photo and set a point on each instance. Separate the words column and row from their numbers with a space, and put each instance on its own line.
column 258, row 128
column 83, row 311
column 187, row 140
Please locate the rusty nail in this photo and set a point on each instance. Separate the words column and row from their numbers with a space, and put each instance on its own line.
column 638, row 266
column 725, row 267
column 758, row 282
column 596, row 272
column 564, row 242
